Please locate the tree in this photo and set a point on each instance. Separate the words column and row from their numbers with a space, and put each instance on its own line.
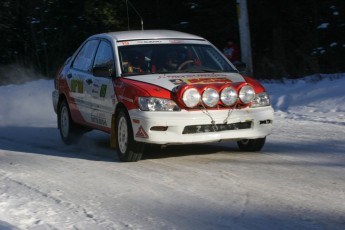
column 40, row 34
column 246, row 49
column 290, row 39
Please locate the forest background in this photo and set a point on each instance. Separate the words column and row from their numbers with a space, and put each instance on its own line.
column 289, row 38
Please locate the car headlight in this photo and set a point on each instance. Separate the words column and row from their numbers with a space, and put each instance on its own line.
column 191, row 97
column 247, row 94
column 261, row 99
column 228, row 96
column 210, row 97
column 157, row 104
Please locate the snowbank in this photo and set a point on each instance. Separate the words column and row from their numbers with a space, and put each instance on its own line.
column 317, row 97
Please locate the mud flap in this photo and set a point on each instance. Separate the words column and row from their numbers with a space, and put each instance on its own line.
column 113, row 132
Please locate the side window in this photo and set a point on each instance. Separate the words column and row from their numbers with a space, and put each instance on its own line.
column 83, row 60
column 104, row 56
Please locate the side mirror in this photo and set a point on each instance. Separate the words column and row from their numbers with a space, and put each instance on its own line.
column 102, row 71
column 240, row 66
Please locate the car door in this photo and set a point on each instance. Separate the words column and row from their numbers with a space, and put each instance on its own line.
column 102, row 91
column 79, row 79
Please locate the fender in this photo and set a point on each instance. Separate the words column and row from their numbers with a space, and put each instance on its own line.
column 127, row 92
column 256, row 84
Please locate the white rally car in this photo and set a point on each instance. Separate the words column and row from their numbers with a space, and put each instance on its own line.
column 158, row 87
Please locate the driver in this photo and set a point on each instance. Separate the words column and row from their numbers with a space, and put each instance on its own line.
column 170, row 62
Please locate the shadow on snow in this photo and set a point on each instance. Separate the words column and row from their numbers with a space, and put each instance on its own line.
column 95, row 146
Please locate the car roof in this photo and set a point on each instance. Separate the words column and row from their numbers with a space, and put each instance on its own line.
column 148, row 34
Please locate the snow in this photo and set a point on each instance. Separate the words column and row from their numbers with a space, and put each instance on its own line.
column 333, row 44
column 315, row 98
column 324, row 25
column 296, row 182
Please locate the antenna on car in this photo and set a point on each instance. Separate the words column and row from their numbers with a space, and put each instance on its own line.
column 135, row 10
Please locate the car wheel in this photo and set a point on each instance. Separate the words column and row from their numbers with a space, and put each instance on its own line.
column 127, row 148
column 251, row 145
column 68, row 131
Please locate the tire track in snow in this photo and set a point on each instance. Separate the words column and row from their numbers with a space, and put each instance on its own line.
column 77, row 215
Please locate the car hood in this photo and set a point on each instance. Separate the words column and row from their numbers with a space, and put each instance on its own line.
column 170, row 81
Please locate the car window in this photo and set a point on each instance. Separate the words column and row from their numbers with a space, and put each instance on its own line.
column 83, row 60
column 104, row 56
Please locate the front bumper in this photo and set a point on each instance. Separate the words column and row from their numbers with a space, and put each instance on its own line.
column 170, row 127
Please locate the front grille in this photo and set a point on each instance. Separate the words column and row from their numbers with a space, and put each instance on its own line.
column 190, row 129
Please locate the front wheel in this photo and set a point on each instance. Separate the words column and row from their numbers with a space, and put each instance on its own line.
column 68, row 130
column 251, row 145
column 127, row 148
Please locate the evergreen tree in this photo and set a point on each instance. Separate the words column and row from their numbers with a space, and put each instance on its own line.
column 289, row 38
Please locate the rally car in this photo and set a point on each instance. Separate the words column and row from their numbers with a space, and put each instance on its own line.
column 158, row 87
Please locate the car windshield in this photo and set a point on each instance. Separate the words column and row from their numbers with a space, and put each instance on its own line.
column 171, row 58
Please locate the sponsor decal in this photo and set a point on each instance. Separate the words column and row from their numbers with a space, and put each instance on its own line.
column 98, row 118
column 155, row 41
column 193, row 76
column 148, row 41
column 177, row 81
column 199, row 81
column 141, row 133
column 126, row 43
column 77, row 86
column 176, row 41
column 103, row 91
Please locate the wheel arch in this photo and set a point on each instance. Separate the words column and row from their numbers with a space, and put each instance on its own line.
column 127, row 148
column 62, row 97
column 120, row 106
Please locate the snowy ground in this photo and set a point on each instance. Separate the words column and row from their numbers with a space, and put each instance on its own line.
column 296, row 182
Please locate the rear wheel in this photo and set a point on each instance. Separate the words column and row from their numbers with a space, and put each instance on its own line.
column 127, row 148
column 251, row 145
column 68, row 130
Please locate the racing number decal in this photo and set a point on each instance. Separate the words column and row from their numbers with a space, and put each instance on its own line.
column 77, row 86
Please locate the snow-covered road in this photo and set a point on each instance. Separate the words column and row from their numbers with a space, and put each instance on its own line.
column 296, row 182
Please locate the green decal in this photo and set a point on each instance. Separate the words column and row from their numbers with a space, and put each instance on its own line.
column 77, row 86
column 103, row 90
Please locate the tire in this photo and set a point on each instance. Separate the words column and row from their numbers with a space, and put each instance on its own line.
column 251, row 145
column 128, row 149
column 68, row 130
